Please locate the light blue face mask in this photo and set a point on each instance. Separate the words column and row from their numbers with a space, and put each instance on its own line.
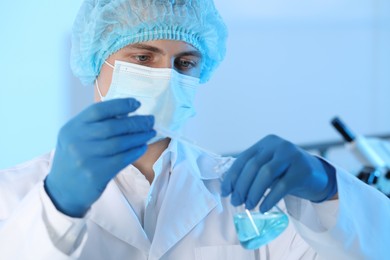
column 163, row 92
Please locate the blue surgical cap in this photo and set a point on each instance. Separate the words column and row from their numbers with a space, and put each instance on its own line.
column 102, row 27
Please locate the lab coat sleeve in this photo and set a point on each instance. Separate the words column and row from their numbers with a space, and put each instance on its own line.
column 356, row 226
column 66, row 233
column 36, row 230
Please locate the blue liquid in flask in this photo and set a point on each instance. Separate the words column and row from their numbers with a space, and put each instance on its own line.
column 269, row 226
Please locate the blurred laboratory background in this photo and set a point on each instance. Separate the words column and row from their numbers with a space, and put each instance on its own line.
column 291, row 66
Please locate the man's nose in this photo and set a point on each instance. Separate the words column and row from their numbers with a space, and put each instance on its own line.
column 168, row 62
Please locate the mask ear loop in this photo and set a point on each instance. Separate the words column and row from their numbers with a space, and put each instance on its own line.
column 97, row 83
column 109, row 65
column 98, row 90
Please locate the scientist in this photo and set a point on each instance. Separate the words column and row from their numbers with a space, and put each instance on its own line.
column 117, row 188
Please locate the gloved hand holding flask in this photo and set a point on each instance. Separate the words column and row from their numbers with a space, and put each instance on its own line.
column 255, row 229
column 282, row 167
column 92, row 148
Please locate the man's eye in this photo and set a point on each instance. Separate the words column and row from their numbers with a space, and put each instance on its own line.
column 142, row 58
column 185, row 64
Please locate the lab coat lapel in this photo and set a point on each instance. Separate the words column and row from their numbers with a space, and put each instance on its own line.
column 113, row 213
column 187, row 202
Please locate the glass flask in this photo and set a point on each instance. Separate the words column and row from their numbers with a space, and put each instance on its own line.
column 255, row 229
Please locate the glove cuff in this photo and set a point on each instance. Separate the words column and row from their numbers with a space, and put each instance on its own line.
column 69, row 210
column 331, row 188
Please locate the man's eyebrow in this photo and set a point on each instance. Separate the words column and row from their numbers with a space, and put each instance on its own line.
column 141, row 46
column 145, row 47
column 191, row 53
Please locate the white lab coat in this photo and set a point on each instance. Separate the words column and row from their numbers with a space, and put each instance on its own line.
column 194, row 221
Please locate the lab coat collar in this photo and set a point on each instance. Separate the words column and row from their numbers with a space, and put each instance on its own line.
column 187, row 201
column 113, row 213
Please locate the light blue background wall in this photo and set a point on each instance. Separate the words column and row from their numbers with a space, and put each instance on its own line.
column 36, row 82
column 291, row 66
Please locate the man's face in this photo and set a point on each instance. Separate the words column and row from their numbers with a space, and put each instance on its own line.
column 177, row 55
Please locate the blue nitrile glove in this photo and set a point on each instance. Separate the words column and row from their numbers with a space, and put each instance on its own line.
column 92, row 148
column 282, row 167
